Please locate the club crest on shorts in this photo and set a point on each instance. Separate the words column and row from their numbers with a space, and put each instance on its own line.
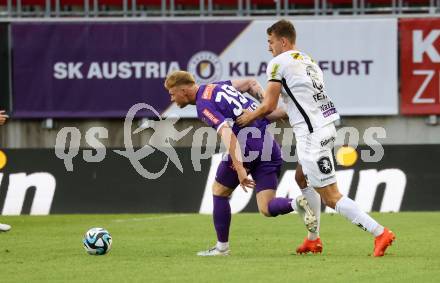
column 325, row 165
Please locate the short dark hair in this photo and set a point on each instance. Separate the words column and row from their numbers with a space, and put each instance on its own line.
column 283, row 28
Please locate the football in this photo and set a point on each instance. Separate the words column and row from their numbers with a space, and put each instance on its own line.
column 97, row 241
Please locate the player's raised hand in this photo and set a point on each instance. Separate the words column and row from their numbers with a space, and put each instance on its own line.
column 3, row 117
column 245, row 119
column 245, row 182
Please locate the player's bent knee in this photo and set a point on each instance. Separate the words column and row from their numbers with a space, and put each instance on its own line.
column 334, row 199
column 300, row 180
column 220, row 190
column 330, row 203
column 263, row 208
column 330, row 195
column 265, row 211
column 331, row 200
column 264, row 197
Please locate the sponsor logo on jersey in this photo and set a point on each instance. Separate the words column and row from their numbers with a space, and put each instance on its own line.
column 329, row 112
column 324, row 142
column 325, row 165
column 297, row 56
column 210, row 116
column 312, row 72
column 207, row 93
column 320, row 96
column 327, row 178
column 274, row 72
column 328, row 109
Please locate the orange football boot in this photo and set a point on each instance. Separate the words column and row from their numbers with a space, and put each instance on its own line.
column 314, row 246
column 383, row 241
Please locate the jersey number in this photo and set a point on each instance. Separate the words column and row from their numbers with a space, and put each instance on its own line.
column 233, row 97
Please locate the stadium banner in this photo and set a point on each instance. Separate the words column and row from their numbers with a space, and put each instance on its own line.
column 4, row 67
column 44, row 186
column 420, row 66
column 101, row 69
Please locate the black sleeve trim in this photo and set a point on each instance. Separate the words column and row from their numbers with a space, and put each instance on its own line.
column 274, row 80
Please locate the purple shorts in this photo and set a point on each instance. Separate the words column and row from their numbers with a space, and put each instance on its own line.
column 264, row 173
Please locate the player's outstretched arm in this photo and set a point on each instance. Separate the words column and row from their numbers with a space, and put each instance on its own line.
column 269, row 104
column 231, row 142
column 276, row 115
column 249, row 85
column 253, row 87
column 3, row 117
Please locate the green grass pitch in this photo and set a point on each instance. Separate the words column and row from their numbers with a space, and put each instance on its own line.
column 162, row 248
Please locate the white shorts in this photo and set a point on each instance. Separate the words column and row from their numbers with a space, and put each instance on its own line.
column 315, row 156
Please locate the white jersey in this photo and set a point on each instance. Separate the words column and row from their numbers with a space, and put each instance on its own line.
column 303, row 91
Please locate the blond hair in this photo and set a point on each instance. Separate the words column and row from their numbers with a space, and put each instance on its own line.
column 179, row 78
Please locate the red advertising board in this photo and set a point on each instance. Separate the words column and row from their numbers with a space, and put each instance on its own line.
column 420, row 66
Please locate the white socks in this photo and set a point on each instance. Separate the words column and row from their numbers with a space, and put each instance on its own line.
column 351, row 211
column 293, row 205
column 314, row 200
column 222, row 246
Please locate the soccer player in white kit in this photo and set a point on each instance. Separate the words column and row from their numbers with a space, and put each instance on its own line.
column 298, row 79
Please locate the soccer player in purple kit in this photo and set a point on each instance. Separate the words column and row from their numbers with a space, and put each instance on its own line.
column 218, row 105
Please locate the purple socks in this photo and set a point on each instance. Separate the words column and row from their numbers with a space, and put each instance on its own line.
column 222, row 214
column 279, row 206
column 222, row 218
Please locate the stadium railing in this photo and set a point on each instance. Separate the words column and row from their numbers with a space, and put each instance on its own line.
column 173, row 8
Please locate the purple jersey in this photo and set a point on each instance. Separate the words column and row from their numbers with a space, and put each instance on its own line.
column 220, row 103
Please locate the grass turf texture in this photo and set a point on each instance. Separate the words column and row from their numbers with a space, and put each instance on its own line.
column 162, row 248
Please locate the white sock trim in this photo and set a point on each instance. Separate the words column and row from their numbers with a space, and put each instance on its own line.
column 378, row 230
column 222, row 246
column 293, row 205
column 314, row 200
